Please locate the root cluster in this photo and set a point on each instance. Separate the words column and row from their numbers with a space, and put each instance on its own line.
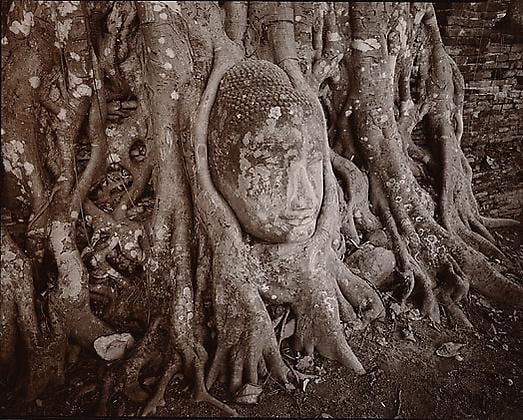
column 132, row 254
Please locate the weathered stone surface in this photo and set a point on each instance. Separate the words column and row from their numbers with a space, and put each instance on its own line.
column 265, row 151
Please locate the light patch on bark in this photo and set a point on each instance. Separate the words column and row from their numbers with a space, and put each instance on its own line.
column 245, row 166
column 161, row 40
column 62, row 115
column 158, row 7
column 11, row 152
column 275, row 112
column 58, row 237
column 173, row 5
column 8, row 256
column 402, row 30
column 406, row 106
column 111, row 272
column 34, row 82
column 174, row 95
column 54, row 93
column 24, row 26
column 164, row 151
column 162, row 233
column 94, row 261
column 66, row 7
column 366, row 44
column 75, row 56
column 82, row 90
column 167, row 66
column 68, row 264
column 330, row 302
column 29, row 168
column 333, row 36
column 111, row 132
column 74, row 80
column 5, row 41
column 169, row 52
column 62, row 31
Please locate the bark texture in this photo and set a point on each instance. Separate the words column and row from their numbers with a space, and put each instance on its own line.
column 122, row 124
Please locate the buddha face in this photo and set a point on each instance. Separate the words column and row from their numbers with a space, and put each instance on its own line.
column 275, row 187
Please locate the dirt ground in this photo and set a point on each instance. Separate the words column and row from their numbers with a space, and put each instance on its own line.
column 406, row 377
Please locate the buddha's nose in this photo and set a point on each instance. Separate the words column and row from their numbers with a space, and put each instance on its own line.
column 301, row 189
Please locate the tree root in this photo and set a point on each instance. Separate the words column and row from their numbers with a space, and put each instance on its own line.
column 107, row 380
column 321, row 305
column 361, row 219
column 45, row 355
column 319, row 301
column 244, row 331
column 143, row 354
column 491, row 222
column 437, row 263
column 487, row 280
column 158, row 398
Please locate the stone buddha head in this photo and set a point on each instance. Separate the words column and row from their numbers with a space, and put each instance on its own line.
column 266, row 153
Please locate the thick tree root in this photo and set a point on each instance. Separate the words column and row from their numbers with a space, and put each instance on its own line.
column 244, row 332
column 319, row 300
column 45, row 352
column 360, row 219
column 437, row 263
column 145, row 352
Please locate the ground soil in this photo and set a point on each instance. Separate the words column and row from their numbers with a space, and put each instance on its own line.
column 405, row 378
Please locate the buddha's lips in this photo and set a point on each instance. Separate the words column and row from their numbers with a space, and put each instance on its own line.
column 299, row 219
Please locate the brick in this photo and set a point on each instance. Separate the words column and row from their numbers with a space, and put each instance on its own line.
column 492, row 65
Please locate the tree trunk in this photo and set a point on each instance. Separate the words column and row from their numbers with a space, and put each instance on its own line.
column 208, row 180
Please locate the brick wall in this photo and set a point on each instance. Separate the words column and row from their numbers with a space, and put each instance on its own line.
column 492, row 65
